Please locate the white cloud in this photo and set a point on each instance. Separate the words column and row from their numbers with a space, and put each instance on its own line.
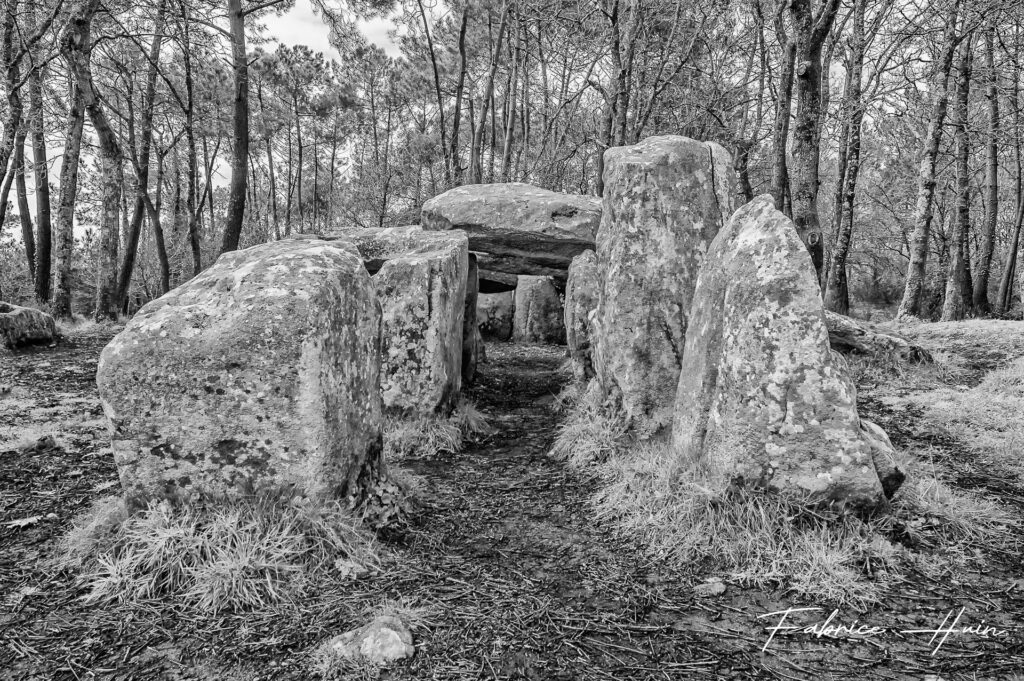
column 301, row 26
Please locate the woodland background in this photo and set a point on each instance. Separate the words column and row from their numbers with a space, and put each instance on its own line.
column 141, row 139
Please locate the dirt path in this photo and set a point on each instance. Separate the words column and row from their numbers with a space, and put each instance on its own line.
column 505, row 565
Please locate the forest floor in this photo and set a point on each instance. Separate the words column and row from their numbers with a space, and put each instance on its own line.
column 504, row 569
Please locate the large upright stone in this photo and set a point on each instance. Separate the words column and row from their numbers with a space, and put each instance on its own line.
column 762, row 400
column 516, row 228
column 538, row 312
column 664, row 201
column 471, row 341
column 22, row 325
column 495, row 312
column 261, row 374
column 580, row 302
column 420, row 279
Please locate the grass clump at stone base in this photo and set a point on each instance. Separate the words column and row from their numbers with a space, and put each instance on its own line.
column 592, row 431
column 766, row 540
column 227, row 556
column 427, row 436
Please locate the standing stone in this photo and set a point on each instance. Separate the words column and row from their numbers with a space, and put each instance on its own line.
column 261, row 374
column 470, row 332
column 420, row 279
column 580, row 302
column 21, row 325
column 495, row 313
column 538, row 312
column 762, row 399
column 664, row 201
column 516, row 228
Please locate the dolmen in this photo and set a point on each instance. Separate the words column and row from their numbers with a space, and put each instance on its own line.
column 516, row 229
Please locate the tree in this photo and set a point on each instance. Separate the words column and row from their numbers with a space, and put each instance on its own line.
column 810, row 30
column 955, row 305
column 77, row 48
column 910, row 305
column 988, row 235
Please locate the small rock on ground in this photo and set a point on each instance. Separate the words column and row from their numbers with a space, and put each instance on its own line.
column 383, row 640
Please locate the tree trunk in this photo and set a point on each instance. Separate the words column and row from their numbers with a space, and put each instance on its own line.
column 1013, row 259
column 65, row 236
column 27, row 231
column 910, row 305
column 44, row 228
column 837, row 290
column 77, row 47
column 810, row 33
column 442, row 127
column 142, row 166
column 158, row 229
column 14, row 105
column 475, row 163
column 780, row 137
column 193, row 211
column 851, row 337
column 510, row 99
column 745, row 192
column 453, row 154
column 954, row 307
column 240, row 147
column 298, row 165
column 983, row 268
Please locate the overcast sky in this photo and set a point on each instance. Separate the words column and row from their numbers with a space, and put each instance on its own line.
column 300, row 26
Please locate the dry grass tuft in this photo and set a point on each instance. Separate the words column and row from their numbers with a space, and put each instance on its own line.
column 592, row 432
column 937, row 516
column 767, row 540
column 220, row 557
column 759, row 539
column 569, row 396
column 426, row 437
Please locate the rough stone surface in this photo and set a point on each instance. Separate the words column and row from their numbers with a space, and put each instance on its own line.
column 420, row 278
column 664, row 201
column 580, row 302
column 470, row 330
column 21, row 325
column 385, row 639
column 260, row 374
column 516, row 228
column 495, row 313
column 538, row 314
column 763, row 400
